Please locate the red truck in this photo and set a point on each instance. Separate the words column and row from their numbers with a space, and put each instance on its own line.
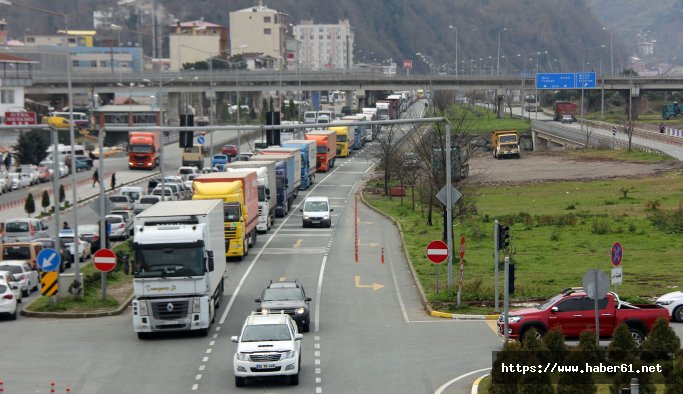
column 574, row 312
column 326, row 148
column 143, row 150
column 564, row 108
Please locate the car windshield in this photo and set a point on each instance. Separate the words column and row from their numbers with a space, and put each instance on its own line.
column 16, row 227
column 149, row 200
column 118, row 199
column 315, row 206
column 184, row 171
column 15, row 269
column 292, row 294
column 550, row 302
column 266, row 332
column 16, row 253
column 115, row 219
column 169, row 261
column 133, row 195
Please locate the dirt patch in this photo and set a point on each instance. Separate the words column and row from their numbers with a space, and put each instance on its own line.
column 537, row 167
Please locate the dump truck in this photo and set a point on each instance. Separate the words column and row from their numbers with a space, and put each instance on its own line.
column 178, row 266
column 561, row 108
column 326, row 149
column 671, row 111
column 239, row 192
column 505, row 143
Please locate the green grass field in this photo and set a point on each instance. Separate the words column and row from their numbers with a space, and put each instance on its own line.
column 559, row 231
column 479, row 120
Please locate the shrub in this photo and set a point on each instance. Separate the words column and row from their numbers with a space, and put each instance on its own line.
column 600, row 226
column 555, row 235
column 30, row 205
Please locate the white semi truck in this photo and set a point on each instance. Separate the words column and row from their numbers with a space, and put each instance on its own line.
column 267, row 199
column 179, row 265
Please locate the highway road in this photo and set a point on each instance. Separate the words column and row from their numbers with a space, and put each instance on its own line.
column 367, row 318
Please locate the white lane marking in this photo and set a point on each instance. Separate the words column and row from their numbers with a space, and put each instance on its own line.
column 205, row 359
column 316, row 353
column 195, row 387
column 202, row 367
column 318, row 380
column 212, row 343
column 318, row 390
column 215, row 336
column 318, row 293
column 317, row 371
column 316, row 346
column 450, row 382
column 208, row 351
column 317, row 361
column 198, row 377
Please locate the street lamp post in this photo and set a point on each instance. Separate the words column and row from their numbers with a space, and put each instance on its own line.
column 498, row 62
column 456, row 48
column 538, row 54
column 611, row 50
column 583, row 69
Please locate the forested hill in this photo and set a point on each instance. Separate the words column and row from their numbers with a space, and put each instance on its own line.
column 397, row 29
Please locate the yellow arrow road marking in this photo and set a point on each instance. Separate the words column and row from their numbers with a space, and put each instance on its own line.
column 362, row 222
column 298, row 243
column 374, row 286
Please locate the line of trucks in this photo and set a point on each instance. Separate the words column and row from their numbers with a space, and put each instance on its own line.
column 181, row 247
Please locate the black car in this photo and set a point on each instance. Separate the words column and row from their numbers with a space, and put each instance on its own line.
column 91, row 233
column 287, row 296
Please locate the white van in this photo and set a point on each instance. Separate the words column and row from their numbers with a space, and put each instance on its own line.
column 134, row 192
column 317, row 210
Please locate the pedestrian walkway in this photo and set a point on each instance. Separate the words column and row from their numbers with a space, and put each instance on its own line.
column 85, row 192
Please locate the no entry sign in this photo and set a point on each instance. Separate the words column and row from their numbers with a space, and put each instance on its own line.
column 437, row 252
column 104, row 260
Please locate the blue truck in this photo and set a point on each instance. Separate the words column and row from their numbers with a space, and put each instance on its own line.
column 308, row 150
column 285, row 179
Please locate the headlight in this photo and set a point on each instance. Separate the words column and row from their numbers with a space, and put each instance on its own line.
column 514, row 319
column 143, row 308
column 306, row 217
column 289, row 354
column 196, row 304
column 300, row 311
column 665, row 302
column 242, row 356
column 264, row 311
column 326, row 217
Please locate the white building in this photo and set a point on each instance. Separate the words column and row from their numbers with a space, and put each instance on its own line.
column 325, row 46
column 196, row 41
column 258, row 29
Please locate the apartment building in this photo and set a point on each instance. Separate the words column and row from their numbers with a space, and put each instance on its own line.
column 259, row 29
column 324, row 46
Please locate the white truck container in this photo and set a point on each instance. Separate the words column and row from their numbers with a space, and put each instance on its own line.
column 267, row 200
column 179, row 265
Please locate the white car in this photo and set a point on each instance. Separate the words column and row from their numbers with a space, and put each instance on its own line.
column 145, row 202
column 185, row 171
column 269, row 345
column 8, row 300
column 674, row 303
column 66, row 237
column 121, row 201
column 117, row 227
column 317, row 211
column 63, row 169
column 19, row 180
column 10, row 280
column 28, row 278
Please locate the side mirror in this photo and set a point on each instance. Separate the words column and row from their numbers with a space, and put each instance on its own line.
column 45, row 227
column 14, row 287
column 268, row 192
column 234, row 338
column 308, row 299
column 554, row 309
column 298, row 337
column 210, row 260
column 331, row 209
column 301, row 210
column 257, row 300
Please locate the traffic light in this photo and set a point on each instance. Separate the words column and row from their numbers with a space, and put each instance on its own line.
column 511, row 279
column 186, row 137
column 503, row 236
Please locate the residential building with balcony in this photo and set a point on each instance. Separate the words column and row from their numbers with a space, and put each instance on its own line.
column 259, row 29
column 196, row 41
column 324, row 46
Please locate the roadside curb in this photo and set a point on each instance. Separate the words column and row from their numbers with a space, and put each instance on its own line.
column 79, row 315
column 423, row 296
column 475, row 385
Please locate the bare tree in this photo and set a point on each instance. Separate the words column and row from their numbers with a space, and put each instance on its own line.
column 387, row 146
column 628, row 123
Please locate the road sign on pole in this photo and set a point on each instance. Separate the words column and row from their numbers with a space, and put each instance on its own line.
column 555, row 80
column 20, row 118
column 617, row 254
column 104, row 260
column 200, row 140
column 437, row 251
column 616, row 276
column 455, row 195
column 49, row 260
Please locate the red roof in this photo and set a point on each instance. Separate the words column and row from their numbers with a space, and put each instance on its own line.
column 7, row 58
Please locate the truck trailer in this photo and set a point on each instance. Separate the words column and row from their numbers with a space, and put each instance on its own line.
column 143, row 150
column 267, row 199
column 178, row 266
column 307, row 160
column 239, row 192
column 284, row 176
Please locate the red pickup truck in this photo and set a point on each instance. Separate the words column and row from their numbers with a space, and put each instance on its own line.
column 574, row 312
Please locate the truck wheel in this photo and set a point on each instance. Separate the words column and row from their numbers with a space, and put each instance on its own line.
column 637, row 335
column 143, row 335
column 678, row 314
column 538, row 331
column 294, row 379
column 203, row 332
column 239, row 381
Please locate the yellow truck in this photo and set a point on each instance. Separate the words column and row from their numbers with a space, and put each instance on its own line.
column 239, row 192
column 505, row 143
column 344, row 140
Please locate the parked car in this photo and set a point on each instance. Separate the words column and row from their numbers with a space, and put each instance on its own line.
column 45, row 174
column 317, row 210
column 81, row 164
column 121, row 201
column 674, row 303
column 9, row 279
column 27, row 276
column 91, row 234
column 19, row 180
column 8, row 300
column 5, row 185
column 230, row 150
column 410, row 160
column 288, row 297
column 244, row 156
column 88, row 160
column 66, row 236
column 145, row 202
column 30, row 170
column 22, row 230
column 128, row 216
column 268, row 345
column 117, row 227
column 63, row 169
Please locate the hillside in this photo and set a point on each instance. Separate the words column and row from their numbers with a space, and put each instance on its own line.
column 398, row 29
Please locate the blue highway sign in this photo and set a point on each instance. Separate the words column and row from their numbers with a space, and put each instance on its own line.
column 200, row 140
column 585, row 80
column 49, row 260
column 555, row 81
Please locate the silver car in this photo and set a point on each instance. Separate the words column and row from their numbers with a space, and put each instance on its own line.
column 145, row 202
column 117, row 227
column 23, row 230
column 121, row 201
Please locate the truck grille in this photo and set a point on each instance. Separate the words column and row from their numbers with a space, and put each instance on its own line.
column 263, row 357
column 260, row 210
column 276, row 369
column 139, row 157
column 170, row 310
column 230, row 233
